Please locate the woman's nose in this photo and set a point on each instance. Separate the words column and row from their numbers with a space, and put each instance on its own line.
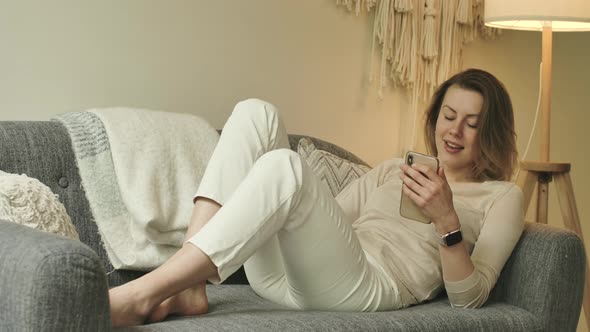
column 457, row 130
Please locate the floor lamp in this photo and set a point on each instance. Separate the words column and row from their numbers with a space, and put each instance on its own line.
column 546, row 16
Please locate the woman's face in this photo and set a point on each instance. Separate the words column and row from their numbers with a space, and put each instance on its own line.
column 456, row 132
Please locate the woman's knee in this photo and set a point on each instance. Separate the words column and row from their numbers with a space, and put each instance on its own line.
column 254, row 108
column 281, row 157
column 282, row 163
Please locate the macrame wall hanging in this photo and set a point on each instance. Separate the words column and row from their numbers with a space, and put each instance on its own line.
column 421, row 42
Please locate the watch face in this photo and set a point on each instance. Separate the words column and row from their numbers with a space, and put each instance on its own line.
column 453, row 238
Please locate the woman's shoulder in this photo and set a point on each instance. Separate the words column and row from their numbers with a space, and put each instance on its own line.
column 393, row 161
column 390, row 165
column 387, row 169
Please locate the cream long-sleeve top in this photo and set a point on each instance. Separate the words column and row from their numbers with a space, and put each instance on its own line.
column 491, row 217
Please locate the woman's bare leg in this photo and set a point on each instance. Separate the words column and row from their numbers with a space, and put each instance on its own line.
column 191, row 301
column 176, row 287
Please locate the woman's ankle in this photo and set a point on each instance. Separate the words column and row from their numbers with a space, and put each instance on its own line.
column 128, row 306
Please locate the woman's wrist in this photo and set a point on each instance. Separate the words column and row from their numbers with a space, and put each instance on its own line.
column 447, row 224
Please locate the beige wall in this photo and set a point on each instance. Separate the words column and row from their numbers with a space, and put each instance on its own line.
column 308, row 57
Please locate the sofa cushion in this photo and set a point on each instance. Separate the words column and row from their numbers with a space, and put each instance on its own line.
column 335, row 172
column 238, row 308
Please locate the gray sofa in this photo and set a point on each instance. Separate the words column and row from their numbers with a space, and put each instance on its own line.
column 49, row 283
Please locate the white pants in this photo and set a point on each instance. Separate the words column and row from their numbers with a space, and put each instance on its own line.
column 279, row 221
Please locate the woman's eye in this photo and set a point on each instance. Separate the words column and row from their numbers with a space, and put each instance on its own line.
column 474, row 126
column 449, row 118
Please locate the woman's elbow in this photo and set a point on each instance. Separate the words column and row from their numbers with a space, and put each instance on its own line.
column 472, row 298
column 470, row 305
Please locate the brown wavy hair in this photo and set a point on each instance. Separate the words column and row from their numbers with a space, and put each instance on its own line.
column 497, row 154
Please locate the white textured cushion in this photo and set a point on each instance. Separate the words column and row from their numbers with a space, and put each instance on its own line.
column 29, row 202
column 333, row 171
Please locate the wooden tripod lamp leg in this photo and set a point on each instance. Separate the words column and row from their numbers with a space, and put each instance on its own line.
column 542, row 198
column 526, row 181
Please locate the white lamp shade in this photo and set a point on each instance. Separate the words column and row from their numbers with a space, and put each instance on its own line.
column 564, row 15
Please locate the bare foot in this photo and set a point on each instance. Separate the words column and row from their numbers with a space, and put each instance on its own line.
column 127, row 306
column 190, row 302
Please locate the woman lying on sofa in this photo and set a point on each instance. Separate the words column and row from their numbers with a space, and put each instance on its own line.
column 259, row 205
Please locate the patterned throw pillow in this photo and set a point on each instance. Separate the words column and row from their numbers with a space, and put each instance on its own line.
column 334, row 171
column 29, row 202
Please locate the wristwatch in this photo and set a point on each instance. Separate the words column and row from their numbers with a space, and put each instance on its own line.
column 451, row 238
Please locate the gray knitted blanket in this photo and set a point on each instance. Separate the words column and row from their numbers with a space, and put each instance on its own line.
column 139, row 169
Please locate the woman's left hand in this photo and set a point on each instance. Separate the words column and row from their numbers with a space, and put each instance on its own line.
column 430, row 191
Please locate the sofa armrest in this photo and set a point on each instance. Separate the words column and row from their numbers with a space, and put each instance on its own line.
column 50, row 283
column 545, row 276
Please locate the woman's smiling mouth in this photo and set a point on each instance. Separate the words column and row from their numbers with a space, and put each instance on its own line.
column 452, row 147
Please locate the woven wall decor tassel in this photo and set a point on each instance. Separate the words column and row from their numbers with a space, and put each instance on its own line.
column 465, row 12
column 403, row 6
column 421, row 42
column 429, row 40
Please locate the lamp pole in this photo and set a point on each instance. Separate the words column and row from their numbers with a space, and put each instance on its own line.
column 546, row 58
column 543, row 182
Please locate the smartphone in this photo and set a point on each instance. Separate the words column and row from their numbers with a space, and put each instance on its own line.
column 407, row 207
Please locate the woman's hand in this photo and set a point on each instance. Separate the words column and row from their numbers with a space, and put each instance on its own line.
column 430, row 190
column 432, row 193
